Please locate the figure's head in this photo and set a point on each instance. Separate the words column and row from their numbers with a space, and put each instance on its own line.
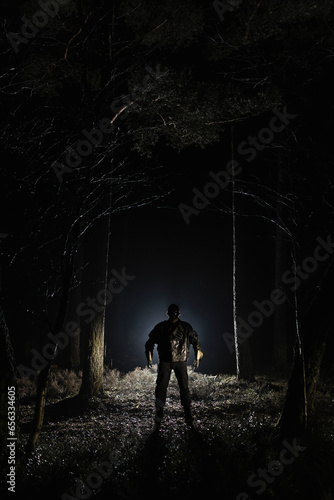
column 173, row 311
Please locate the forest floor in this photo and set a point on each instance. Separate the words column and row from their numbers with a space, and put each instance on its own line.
column 110, row 451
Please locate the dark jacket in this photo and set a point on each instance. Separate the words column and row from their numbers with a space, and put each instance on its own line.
column 173, row 340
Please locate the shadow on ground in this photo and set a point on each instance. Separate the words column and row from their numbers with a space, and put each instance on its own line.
column 175, row 462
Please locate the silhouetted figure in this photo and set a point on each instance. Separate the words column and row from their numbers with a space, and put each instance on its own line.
column 173, row 338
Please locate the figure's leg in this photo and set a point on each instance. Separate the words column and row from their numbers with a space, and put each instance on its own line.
column 181, row 373
column 164, row 371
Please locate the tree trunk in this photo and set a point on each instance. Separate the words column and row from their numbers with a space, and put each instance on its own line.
column 246, row 369
column 293, row 421
column 39, row 409
column 279, row 357
column 316, row 324
column 243, row 355
column 8, row 392
column 75, row 351
column 95, row 276
column 234, row 276
column 314, row 357
column 96, row 279
column 44, row 373
column 92, row 378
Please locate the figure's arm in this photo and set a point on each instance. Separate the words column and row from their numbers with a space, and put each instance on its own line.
column 149, row 358
column 197, row 348
column 149, row 347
